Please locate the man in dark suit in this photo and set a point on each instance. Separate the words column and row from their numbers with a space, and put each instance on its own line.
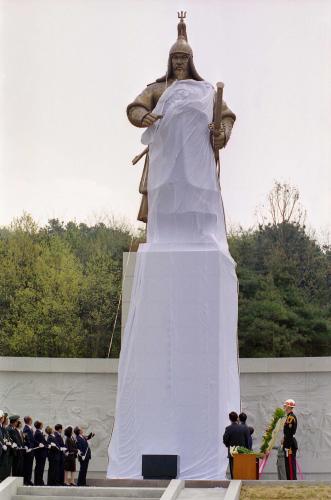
column 18, row 446
column 235, row 435
column 40, row 454
column 84, row 454
column 59, row 465
column 242, row 421
column 29, row 455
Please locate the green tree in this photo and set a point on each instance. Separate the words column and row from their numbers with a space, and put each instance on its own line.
column 284, row 298
column 40, row 282
column 60, row 286
column 99, row 299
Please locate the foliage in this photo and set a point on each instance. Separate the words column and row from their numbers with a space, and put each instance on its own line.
column 284, row 292
column 60, row 286
column 241, row 450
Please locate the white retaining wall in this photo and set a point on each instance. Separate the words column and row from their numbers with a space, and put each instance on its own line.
column 83, row 391
column 66, row 391
column 8, row 487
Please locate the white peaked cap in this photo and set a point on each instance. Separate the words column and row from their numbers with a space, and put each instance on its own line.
column 289, row 402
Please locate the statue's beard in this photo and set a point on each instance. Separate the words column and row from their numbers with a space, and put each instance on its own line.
column 181, row 73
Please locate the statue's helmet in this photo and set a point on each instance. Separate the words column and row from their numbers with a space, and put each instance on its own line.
column 181, row 46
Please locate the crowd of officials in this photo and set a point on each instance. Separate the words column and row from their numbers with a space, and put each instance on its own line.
column 22, row 446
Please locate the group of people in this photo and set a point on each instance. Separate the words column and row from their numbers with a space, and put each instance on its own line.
column 21, row 446
column 238, row 433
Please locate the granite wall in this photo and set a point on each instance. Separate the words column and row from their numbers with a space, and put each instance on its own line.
column 67, row 391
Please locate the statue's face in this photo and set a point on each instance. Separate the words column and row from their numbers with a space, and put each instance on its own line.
column 180, row 66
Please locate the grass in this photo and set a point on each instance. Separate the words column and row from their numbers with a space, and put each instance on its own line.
column 291, row 492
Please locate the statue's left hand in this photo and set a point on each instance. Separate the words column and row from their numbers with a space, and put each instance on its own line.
column 219, row 137
column 219, row 140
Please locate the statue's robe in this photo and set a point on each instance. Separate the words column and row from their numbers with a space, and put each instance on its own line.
column 144, row 104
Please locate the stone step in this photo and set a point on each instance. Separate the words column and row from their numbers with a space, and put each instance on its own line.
column 117, row 493
column 69, row 497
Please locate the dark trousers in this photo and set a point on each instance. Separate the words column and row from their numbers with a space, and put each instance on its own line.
column 231, row 466
column 81, row 481
column 3, row 470
column 52, row 472
column 4, row 465
column 39, row 470
column 59, row 470
column 10, row 463
column 27, row 467
column 17, row 467
column 291, row 465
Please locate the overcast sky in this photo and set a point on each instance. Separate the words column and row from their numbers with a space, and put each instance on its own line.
column 70, row 67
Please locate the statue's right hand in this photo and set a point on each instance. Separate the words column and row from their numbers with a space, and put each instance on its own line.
column 149, row 119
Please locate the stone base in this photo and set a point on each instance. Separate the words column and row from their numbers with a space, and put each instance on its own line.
column 178, row 372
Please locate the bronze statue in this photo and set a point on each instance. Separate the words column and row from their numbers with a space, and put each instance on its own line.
column 140, row 111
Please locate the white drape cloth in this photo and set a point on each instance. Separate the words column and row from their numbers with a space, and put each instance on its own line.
column 178, row 371
column 184, row 201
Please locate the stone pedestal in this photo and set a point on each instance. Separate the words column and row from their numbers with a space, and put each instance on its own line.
column 178, row 373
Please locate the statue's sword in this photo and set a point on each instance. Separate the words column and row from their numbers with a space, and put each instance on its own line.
column 218, row 120
column 140, row 156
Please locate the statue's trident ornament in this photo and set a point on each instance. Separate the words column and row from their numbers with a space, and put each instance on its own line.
column 181, row 15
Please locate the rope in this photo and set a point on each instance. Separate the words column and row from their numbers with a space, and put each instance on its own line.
column 120, row 298
column 263, row 463
column 299, row 471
